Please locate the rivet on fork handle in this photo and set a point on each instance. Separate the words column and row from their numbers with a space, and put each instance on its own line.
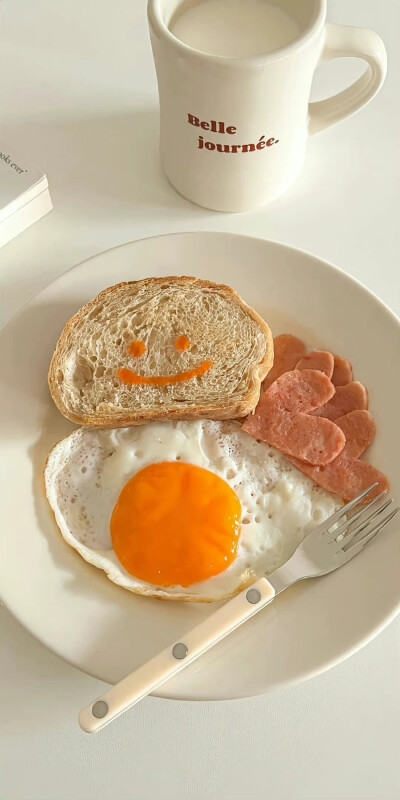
column 253, row 596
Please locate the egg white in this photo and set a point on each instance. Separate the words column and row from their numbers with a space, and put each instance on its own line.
column 86, row 473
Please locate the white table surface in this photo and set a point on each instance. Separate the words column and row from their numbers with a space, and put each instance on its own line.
column 78, row 96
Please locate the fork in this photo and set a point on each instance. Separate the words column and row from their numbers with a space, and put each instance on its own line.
column 325, row 549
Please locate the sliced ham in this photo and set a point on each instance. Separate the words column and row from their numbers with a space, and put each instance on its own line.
column 298, row 391
column 288, row 350
column 282, row 418
column 351, row 397
column 342, row 372
column 359, row 429
column 347, row 476
column 318, row 359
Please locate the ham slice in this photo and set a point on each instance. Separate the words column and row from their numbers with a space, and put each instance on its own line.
column 288, row 350
column 342, row 372
column 318, row 359
column 351, row 397
column 359, row 429
column 282, row 418
column 347, row 476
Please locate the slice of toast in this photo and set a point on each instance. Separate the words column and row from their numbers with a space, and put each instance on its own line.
column 203, row 353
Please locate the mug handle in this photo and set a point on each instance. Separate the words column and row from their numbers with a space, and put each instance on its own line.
column 342, row 41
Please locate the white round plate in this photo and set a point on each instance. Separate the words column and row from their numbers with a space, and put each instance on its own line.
column 106, row 631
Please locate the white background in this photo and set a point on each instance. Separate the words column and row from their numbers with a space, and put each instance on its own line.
column 78, row 97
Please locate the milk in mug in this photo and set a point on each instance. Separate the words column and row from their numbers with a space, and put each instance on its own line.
column 234, row 28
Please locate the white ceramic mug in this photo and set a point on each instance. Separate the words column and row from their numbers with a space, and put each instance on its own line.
column 234, row 130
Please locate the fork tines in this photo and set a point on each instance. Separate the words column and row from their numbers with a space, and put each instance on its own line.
column 347, row 536
column 369, row 534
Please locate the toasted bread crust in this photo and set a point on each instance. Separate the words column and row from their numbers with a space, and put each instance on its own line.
column 229, row 410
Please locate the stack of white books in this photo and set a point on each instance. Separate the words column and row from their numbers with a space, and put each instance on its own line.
column 24, row 194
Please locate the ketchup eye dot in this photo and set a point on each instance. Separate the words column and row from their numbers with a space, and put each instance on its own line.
column 183, row 343
column 137, row 349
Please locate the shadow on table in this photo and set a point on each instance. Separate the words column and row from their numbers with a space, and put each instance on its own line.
column 103, row 160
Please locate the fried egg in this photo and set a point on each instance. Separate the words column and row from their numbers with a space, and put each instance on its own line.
column 181, row 510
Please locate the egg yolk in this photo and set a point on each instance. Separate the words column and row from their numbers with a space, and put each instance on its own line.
column 176, row 524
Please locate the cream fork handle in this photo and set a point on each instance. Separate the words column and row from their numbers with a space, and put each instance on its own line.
column 176, row 657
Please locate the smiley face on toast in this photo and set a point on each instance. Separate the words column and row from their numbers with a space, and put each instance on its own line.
column 161, row 348
column 137, row 349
